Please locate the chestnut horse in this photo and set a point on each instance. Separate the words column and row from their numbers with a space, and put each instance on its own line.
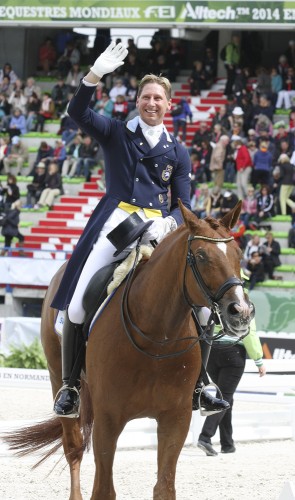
column 143, row 356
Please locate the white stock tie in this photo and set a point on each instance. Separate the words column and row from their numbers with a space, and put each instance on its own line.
column 152, row 136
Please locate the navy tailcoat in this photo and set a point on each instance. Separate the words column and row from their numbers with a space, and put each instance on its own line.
column 134, row 173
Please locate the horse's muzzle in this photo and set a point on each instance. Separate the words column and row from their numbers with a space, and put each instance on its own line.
column 236, row 319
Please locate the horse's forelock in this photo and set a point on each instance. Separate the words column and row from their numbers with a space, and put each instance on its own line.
column 202, row 226
column 196, row 226
column 213, row 223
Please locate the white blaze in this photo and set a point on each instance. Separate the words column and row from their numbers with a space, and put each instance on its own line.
column 241, row 300
column 222, row 247
column 239, row 292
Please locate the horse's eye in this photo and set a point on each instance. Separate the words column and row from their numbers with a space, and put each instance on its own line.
column 200, row 256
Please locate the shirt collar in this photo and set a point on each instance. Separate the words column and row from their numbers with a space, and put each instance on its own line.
column 133, row 124
column 158, row 129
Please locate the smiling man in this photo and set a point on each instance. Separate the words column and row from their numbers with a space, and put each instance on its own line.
column 142, row 161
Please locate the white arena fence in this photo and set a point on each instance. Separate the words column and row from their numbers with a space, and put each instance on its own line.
column 271, row 400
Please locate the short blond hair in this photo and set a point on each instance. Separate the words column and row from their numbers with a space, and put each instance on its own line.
column 160, row 80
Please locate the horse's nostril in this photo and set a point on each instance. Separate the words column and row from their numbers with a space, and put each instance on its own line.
column 234, row 309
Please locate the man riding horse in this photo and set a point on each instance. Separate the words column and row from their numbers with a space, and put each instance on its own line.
column 142, row 160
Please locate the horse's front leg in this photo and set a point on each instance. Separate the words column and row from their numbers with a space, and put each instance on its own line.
column 106, row 431
column 72, row 443
column 173, row 427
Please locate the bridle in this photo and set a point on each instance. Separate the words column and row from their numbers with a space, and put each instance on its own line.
column 212, row 299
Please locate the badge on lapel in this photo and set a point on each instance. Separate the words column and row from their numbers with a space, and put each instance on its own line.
column 166, row 174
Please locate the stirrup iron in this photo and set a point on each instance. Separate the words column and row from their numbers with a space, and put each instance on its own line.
column 207, row 413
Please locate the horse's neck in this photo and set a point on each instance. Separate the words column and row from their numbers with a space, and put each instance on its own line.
column 157, row 297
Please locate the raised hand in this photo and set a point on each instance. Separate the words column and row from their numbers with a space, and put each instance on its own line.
column 109, row 60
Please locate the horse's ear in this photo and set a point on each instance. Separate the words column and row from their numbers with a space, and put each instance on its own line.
column 230, row 219
column 190, row 219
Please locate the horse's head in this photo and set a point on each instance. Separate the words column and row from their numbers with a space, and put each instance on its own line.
column 212, row 275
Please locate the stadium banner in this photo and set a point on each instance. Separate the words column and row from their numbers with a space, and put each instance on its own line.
column 36, row 271
column 275, row 322
column 24, row 378
column 147, row 12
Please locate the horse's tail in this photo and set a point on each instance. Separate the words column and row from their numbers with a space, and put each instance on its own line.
column 33, row 438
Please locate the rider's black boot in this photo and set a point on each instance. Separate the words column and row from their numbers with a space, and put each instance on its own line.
column 207, row 404
column 67, row 401
column 202, row 399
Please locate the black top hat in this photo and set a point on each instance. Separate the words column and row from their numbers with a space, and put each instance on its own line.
column 127, row 232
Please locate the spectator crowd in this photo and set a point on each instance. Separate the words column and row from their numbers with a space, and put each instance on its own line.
column 244, row 144
column 251, row 143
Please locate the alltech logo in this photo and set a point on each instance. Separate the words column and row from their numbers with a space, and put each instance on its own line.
column 270, row 351
column 283, row 354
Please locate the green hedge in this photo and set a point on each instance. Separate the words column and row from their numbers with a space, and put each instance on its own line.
column 31, row 356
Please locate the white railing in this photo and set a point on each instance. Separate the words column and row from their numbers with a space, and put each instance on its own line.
column 264, row 408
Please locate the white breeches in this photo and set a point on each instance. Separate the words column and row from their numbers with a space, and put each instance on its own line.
column 100, row 256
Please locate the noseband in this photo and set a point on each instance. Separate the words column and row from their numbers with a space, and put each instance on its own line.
column 213, row 298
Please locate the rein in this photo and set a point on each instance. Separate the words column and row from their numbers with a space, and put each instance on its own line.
column 124, row 316
column 212, row 299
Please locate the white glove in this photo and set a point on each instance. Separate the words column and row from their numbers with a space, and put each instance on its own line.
column 159, row 228
column 109, row 60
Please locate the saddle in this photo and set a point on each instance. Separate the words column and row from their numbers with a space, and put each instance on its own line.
column 102, row 284
column 106, row 280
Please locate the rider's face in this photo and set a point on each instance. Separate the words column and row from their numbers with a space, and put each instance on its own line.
column 152, row 104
